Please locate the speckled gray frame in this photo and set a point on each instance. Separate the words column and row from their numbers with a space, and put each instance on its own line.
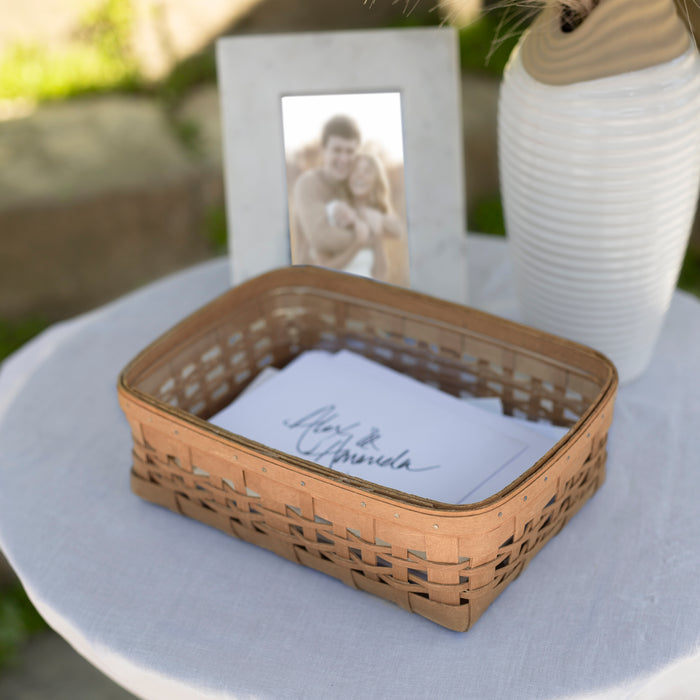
column 255, row 72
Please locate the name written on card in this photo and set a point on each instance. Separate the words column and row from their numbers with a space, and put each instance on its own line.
column 322, row 434
column 357, row 417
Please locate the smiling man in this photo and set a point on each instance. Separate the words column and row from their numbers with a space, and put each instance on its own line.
column 316, row 239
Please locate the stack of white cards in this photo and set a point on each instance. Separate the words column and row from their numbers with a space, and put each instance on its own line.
column 358, row 417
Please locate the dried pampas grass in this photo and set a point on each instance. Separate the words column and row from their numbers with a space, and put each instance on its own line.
column 462, row 12
column 572, row 12
column 516, row 15
column 580, row 8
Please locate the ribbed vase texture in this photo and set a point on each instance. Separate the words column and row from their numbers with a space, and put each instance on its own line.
column 600, row 184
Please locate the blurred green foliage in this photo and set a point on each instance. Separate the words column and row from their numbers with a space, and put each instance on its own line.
column 486, row 44
column 215, row 229
column 14, row 334
column 690, row 272
column 486, row 216
column 98, row 59
column 198, row 69
column 18, row 621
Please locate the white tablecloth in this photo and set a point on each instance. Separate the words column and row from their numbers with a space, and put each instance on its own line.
column 170, row 608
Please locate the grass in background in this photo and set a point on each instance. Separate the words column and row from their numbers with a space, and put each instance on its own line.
column 215, row 229
column 18, row 622
column 14, row 334
column 690, row 272
column 486, row 216
column 98, row 59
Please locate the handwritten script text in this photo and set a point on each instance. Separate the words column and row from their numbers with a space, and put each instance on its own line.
column 322, row 434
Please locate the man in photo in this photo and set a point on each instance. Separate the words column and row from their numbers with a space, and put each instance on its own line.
column 323, row 233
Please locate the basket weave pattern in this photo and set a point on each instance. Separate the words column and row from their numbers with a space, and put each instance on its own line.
column 442, row 561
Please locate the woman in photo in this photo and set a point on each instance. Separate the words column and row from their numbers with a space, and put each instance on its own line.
column 369, row 214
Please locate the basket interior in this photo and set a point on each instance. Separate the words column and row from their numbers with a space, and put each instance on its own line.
column 216, row 361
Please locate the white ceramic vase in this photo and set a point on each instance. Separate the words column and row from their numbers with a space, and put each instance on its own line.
column 599, row 181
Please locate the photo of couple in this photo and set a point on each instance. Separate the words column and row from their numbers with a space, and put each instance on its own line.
column 346, row 204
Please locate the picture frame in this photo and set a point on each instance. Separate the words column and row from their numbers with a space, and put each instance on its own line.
column 421, row 64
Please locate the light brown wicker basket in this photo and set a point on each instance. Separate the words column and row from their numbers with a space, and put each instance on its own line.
column 442, row 561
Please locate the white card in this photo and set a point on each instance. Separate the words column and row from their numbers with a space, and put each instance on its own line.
column 357, row 417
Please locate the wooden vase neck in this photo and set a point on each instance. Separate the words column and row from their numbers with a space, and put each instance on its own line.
column 618, row 36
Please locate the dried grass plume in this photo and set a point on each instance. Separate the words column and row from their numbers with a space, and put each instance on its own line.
column 572, row 12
